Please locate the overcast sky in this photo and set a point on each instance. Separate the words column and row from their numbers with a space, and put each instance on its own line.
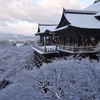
column 22, row 16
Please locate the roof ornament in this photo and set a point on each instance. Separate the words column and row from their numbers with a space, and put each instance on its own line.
column 96, row 1
column 63, row 9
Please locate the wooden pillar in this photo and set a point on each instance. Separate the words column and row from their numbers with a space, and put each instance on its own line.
column 66, row 40
column 84, row 41
column 73, row 40
column 70, row 40
column 56, row 40
column 76, row 41
column 62, row 40
column 92, row 40
column 96, row 39
column 42, row 40
column 89, row 40
column 81, row 41
column 45, row 43
column 49, row 39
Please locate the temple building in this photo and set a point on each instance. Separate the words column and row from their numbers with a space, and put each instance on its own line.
column 45, row 47
column 47, row 41
column 78, row 31
column 44, row 33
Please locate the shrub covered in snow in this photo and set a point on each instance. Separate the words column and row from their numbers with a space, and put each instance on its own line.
column 70, row 79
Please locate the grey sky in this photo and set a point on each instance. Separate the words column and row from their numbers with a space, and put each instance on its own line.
column 22, row 16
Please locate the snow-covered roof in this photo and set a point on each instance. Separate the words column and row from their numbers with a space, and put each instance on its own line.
column 86, row 18
column 80, row 18
column 94, row 7
column 83, row 20
column 44, row 27
column 98, row 14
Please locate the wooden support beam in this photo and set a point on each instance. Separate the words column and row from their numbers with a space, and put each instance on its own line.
column 96, row 39
column 45, row 43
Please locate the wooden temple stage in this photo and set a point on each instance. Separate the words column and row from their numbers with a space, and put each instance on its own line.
column 46, row 54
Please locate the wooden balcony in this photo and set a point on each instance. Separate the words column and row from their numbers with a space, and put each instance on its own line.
column 47, row 49
column 77, row 49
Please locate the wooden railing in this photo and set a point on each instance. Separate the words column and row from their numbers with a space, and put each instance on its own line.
column 45, row 48
column 51, row 49
column 37, row 47
column 76, row 48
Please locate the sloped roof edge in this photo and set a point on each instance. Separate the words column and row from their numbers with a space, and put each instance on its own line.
column 96, row 1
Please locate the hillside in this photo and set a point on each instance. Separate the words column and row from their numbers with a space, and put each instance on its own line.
column 70, row 79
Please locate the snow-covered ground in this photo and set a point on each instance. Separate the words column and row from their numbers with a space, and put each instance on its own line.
column 70, row 79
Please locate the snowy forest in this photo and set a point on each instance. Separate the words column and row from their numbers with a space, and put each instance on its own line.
column 71, row 79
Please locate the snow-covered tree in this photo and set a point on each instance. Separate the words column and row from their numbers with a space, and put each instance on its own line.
column 71, row 79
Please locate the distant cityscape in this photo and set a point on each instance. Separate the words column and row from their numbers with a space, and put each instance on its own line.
column 11, row 36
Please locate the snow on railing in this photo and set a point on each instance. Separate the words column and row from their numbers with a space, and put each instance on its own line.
column 77, row 48
column 50, row 49
column 47, row 49
column 38, row 47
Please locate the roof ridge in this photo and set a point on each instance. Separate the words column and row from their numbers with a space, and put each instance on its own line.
column 79, row 11
column 47, row 24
